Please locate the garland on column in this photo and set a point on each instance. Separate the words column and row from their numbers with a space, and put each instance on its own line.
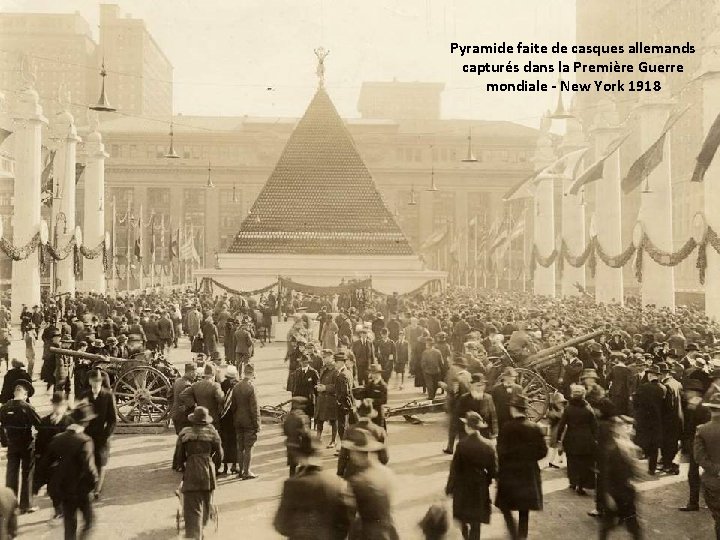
column 62, row 254
column 639, row 259
column 614, row 261
column 20, row 253
column 77, row 261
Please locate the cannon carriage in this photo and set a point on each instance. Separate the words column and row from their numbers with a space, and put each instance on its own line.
column 141, row 383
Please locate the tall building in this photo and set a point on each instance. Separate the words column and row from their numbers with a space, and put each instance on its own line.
column 139, row 74
column 652, row 22
column 60, row 46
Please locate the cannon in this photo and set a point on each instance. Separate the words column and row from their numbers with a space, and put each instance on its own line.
column 141, row 384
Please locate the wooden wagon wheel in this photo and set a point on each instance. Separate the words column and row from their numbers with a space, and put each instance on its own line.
column 141, row 394
column 537, row 392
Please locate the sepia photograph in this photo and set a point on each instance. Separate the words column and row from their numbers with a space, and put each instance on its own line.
column 381, row 270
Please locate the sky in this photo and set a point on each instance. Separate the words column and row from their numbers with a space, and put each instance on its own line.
column 227, row 53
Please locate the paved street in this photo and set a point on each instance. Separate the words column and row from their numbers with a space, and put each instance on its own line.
column 138, row 500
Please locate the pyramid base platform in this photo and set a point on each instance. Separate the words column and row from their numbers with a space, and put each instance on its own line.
column 248, row 272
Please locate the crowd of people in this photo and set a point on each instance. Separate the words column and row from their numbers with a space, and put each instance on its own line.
column 638, row 385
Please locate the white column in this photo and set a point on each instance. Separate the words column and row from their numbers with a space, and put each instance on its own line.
column 711, row 108
column 94, row 212
column 573, row 230
column 608, row 212
column 656, row 216
column 64, row 169
column 544, row 234
column 28, row 120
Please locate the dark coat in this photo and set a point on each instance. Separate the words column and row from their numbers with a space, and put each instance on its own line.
column 326, row 406
column 343, row 391
column 347, row 468
column 364, row 353
column 303, row 384
column 520, row 446
column 179, row 405
column 315, row 505
column 578, row 428
column 501, row 397
column 245, row 407
column 72, row 465
column 484, row 407
column 45, row 433
column 210, row 336
column 206, row 393
column 377, row 391
column 103, row 425
column 11, row 377
column 372, row 488
column 648, row 403
column 472, row 470
column 228, row 435
column 165, row 329
column 199, row 447
column 295, row 424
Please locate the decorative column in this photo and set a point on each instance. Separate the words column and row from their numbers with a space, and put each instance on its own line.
column 573, row 214
column 94, row 209
column 655, row 217
column 28, row 122
column 709, row 75
column 544, row 213
column 608, row 205
column 64, row 170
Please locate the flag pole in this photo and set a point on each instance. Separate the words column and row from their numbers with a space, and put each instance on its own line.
column 475, row 253
column 141, row 280
column 485, row 253
column 112, row 248
column 128, row 258
column 152, row 250
column 524, row 247
column 162, row 249
column 509, row 248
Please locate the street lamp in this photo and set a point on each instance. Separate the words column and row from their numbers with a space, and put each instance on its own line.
column 103, row 105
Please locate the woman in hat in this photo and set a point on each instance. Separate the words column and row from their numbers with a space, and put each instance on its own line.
column 199, row 446
column 577, row 432
column 472, row 470
column 227, row 424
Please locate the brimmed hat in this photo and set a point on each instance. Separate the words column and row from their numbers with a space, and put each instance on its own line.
column 328, row 352
column 200, row 416
column 82, row 414
column 305, row 444
column 111, row 340
column 375, row 368
column 16, row 362
column 509, row 372
column 663, row 367
column 190, row 367
column 459, row 360
column 98, row 343
column 340, row 356
column 208, row 371
column 691, row 347
column 654, row 370
column 27, row 385
column 713, row 402
column 589, row 374
column 231, row 373
column 366, row 410
column 362, row 441
column 478, row 378
column 693, row 384
column 474, row 420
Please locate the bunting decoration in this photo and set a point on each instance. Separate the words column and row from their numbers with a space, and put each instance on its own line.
column 595, row 171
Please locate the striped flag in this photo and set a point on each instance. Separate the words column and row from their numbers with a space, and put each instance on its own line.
column 707, row 151
column 651, row 158
column 595, row 171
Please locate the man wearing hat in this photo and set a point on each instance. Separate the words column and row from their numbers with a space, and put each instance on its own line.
column 385, row 353
column 343, row 391
column 672, row 419
column 457, row 382
column 200, row 454
column 706, row 450
column 431, row 363
column 304, row 381
column 520, row 445
column 695, row 414
column 648, row 404
column 15, row 373
column 376, row 390
column 366, row 414
column 207, row 393
column 620, row 382
column 295, row 425
column 473, row 468
column 246, row 415
column 244, row 347
column 17, row 418
column 72, row 483
column 52, row 424
column 364, row 354
column 178, row 406
column 315, row 503
column 372, row 486
column 479, row 401
column 503, row 393
column 102, row 426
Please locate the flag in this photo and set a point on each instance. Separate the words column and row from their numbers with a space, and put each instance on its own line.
column 79, row 170
column 707, row 151
column 595, row 171
column 565, row 165
column 174, row 244
column 186, row 248
column 4, row 134
column 518, row 230
column 651, row 158
column 521, row 189
column 138, row 251
column 46, row 177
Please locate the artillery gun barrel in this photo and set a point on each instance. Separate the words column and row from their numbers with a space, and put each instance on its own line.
column 85, row 355
column 539, row 359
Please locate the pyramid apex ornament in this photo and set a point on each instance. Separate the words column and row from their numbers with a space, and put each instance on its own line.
column 321, row 54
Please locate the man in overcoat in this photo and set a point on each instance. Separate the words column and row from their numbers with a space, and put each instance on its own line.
column 707, row 455
column 472, row 470
column 648, row 406
column 521, row 444
column 364, row 353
